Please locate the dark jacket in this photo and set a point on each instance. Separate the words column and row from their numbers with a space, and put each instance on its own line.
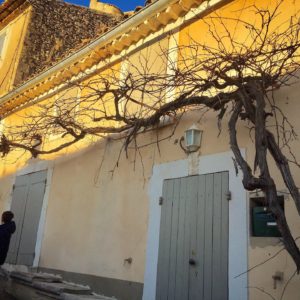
column 6, row 230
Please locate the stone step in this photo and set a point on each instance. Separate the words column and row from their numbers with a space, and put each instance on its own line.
column 84, row 297
column 43, row 286
column 32, row 277
column 58, row 288
column 46, row 296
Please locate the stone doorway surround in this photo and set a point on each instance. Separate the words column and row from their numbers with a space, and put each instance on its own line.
column 36, row 166
column 238, row 220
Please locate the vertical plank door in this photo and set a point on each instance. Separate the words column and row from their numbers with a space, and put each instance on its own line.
column 27, row 201
column 193, row 249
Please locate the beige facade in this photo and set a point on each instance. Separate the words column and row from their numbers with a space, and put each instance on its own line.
column 96, row 214
column 110, row 213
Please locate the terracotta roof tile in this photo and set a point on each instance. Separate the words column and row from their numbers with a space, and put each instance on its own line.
column 57, row 29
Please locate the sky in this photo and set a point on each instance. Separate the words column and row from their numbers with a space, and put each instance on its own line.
column 124, row 5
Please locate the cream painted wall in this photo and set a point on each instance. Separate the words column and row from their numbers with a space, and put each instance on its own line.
column 260, row 279
column 95, row 220
column 109, row 215
column 93, row 223
column 6, row 184
column 106, row 217
column 261, row 249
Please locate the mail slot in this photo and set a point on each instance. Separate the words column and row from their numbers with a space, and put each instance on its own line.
column 264, row 222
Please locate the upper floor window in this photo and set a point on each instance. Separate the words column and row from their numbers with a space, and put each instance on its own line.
column 2, row 41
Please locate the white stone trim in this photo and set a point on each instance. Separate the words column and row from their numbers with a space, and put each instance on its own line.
column 40, row 233
column 2, row 125
column 172, row 62
column 36, row 167
column 124, row 70
column 238, row 221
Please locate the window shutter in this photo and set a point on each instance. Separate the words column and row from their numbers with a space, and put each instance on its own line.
column 2, row 40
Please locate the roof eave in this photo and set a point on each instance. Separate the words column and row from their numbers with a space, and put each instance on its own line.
column 8, row 7
column 116, row 39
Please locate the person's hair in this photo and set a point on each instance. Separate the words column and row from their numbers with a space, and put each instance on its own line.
column 7, row 216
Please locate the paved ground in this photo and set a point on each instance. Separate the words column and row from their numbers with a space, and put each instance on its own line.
column 4, row 296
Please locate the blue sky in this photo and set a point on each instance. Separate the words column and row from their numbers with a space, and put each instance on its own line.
column 125, row 5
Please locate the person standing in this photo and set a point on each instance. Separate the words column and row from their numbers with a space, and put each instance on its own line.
column 7, row 228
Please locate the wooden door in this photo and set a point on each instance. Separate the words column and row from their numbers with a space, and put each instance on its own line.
column 193, row 248
column 27, row 201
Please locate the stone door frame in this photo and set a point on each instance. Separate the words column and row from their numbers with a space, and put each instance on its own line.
column 238, row 221
column 36, row 167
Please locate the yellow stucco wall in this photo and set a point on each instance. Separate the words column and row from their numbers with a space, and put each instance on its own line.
column 95, row 220
column 260, row 279
column 106, row 216
column 18, row 159
column 107, row 212
column 15, row 32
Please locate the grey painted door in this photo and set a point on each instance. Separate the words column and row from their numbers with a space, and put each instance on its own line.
column 193, row 246
column 27, row 201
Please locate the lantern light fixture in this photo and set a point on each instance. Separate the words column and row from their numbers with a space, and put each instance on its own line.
column 193, row 137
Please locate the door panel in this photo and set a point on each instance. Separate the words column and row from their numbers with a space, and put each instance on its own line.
column 208, row 241
column 193, row 250
column 17, row 207
column 165, row 238
column 27, row 208
column 194, row 254
column 179, row 262
column 174, row 236
column 225, row 233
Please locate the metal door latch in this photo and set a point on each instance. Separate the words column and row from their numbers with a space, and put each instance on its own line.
column 278, row 276
column 161, row 200
column 228, row 195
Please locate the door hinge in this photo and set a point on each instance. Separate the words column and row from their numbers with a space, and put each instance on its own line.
column 228, row 195
column 161, row 200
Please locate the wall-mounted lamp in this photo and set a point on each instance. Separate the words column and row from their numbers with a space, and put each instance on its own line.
column 192, row 138
column 36, row 140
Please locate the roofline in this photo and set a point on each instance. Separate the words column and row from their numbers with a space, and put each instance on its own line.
column 8, row 7
column 119, row 29
column 111, row 35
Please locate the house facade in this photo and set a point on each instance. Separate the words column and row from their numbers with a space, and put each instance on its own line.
column 165, row 225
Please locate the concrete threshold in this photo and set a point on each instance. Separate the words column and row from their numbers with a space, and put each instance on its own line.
column 42, row 286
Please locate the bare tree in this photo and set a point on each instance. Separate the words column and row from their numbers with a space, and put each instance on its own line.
column 233, row 77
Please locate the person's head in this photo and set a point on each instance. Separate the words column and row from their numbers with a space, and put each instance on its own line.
column 7, row 216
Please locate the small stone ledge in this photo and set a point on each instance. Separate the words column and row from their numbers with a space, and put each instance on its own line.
column 32, row 277
column 58, row 288
column 80, row 297
column 43, row 286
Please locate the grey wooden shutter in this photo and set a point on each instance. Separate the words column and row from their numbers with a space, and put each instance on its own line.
column 2, row 40
column 194, row 229
column 27, row 204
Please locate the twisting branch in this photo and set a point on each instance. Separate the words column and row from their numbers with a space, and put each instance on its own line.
column 230, row 73
column 283, row 166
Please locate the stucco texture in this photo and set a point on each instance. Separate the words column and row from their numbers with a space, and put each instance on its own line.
column 98, row 211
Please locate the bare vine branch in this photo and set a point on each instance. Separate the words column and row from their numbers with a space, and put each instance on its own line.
column 236, row 77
